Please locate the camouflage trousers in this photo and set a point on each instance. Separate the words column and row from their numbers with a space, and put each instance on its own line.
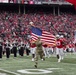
column 39, row 54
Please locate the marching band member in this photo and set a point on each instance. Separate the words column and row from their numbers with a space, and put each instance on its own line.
column 22, row 47
column 15, row 44
column 27, row 49
column 1, row 48
column 7, row 47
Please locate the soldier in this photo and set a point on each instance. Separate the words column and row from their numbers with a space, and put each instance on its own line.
column 7, row 47
column 39, row 52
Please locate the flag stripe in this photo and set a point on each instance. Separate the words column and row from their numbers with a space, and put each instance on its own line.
column 46, row 37
column 34, row 37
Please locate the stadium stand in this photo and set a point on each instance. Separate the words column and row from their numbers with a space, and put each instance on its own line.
column 17, row 25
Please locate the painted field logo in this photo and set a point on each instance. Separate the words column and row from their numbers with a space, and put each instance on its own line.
column 37, row 71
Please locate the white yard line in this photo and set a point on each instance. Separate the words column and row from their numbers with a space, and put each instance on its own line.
column 68, row 64
column 9, row 72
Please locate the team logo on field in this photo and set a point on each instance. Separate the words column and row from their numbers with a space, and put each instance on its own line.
column 37, row 71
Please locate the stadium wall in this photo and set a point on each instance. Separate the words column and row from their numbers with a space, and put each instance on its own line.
column 44, row 7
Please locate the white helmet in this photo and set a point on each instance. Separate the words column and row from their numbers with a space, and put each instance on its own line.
column 31, row 23
column 57, row 36
column 61, row 36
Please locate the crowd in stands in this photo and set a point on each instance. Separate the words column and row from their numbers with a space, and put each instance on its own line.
column 17, row 25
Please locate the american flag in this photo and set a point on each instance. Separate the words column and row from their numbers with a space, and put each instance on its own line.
column 46, row 37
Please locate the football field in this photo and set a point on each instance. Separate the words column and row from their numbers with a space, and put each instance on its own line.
column 24, row 66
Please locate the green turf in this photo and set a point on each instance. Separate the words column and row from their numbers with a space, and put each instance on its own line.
column 66, row 67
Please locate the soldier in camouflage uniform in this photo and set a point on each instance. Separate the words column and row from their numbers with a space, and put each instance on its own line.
column 39, row 51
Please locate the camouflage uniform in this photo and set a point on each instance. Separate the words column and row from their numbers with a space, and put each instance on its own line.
column 39, row 52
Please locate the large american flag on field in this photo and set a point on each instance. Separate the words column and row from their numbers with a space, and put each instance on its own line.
column 46, row 37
